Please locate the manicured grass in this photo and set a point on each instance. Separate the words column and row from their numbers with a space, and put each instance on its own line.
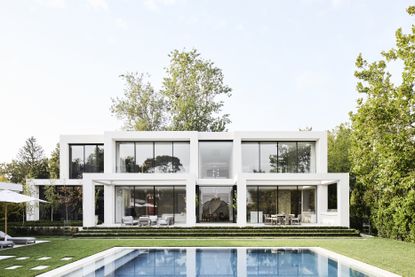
column 387, row 254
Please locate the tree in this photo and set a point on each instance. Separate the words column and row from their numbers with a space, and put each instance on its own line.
column 53, row 164
column 383, row 145
column 191, row 98
column 339, row 146
column 192, row 87
column 52, row 198
column 141, row 108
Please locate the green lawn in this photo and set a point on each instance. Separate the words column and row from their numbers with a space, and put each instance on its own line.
column 387, row 254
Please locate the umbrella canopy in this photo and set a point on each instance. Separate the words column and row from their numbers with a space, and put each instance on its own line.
column 14, row 197
column 9, row 196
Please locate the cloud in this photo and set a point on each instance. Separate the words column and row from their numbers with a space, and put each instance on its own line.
column 155, row 5
column 98, row 4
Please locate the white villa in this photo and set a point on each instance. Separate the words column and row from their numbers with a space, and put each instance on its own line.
column 198, row 178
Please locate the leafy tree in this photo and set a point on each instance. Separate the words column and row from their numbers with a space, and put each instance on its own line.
column 53, row 164
column 383, row 145
column 52, row 198
column 191, row 98
column 141, row 108
column 192, row 86
column 339, row 147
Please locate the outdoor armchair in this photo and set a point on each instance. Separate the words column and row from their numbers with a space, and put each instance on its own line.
column 128, row 220
column 17, row 240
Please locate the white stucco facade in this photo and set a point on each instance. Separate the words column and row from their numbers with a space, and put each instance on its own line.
column 317, row 177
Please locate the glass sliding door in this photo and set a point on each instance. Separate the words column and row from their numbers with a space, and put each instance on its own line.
column 143, row 201
column 216, row 204
column 264, row 201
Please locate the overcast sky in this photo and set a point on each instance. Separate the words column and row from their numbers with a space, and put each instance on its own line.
column 290, row 63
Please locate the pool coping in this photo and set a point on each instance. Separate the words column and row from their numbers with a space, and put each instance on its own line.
column 65, row 269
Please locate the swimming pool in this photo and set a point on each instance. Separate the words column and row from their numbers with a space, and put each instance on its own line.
column 224, row 262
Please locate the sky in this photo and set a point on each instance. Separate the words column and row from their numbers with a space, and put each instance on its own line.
column 290, row 63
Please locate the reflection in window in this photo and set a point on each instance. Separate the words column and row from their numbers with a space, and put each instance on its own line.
column 295, row 201
column 332, row 197
column 250, row 157
column 215, row 159
column 216, row 204
column 278, row 157
column 85, row 158
column 143, row 201
column 153, row 157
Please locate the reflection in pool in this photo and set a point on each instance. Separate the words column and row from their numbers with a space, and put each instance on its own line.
column 224, row 262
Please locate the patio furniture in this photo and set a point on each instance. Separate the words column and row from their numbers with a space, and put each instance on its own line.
column 128, row 220
column 274, row 219
column 144, row 221
column 17, row 240
column 267, row 219
column 166, row 221
column 281, row 219
column 296, row 220
column 153, row 219
column 4, row 244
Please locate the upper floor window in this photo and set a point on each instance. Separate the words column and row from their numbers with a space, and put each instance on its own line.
column 215, row 159
column 278, row 157
column 85, row 158
column 153, row 157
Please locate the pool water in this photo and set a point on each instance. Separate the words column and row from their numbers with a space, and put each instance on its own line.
column 219, row 262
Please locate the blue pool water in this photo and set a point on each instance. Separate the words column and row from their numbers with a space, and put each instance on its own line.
column 220, row 262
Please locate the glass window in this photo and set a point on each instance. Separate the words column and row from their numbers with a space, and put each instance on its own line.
column 144, row 157
column 304, row 157
column 269, row 161
column 179, row 204
column 267, row 200
column 163, row 157
column 181, row 156
column 77, row 161
column 332, row 197
column 287, row 157
column 125, row 157
column 215, row 159
column 164, row 201
column 309, row 199
column 251, row 204
column 216, row 204
column 94, row 158
column 250, row 157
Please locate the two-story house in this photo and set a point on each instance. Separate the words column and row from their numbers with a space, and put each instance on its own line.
column 197, row 178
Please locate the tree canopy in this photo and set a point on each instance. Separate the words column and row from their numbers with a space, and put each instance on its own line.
column 191, row 97
column 383, row 138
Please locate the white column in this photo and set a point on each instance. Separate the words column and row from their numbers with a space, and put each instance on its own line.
column 321, row 202
column 109, row 205
column 241, row 202
column 191, row 202
column 242, row 262
column 32, row 208
column 88, row 202
column 343, row 200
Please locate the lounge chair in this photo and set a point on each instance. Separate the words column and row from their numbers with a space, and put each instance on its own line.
column 153, row 219
column 144, row 221
column 17, row 240
column 128, row 220
column 166, row 221
column 4, row 244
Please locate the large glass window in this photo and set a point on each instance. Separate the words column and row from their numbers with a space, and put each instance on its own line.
column 67, row 203
column 143, row 201
column 293, row 201
column 278, row 157
column 250, row 157
column 85, row 158
column 153, row 157
column 216, row 204
column 215, row 159
column 143, row 157
column 269, row 161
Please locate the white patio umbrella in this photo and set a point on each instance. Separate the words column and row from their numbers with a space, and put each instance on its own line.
column 8, row 196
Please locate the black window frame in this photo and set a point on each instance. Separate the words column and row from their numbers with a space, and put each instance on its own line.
column 83, row 158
